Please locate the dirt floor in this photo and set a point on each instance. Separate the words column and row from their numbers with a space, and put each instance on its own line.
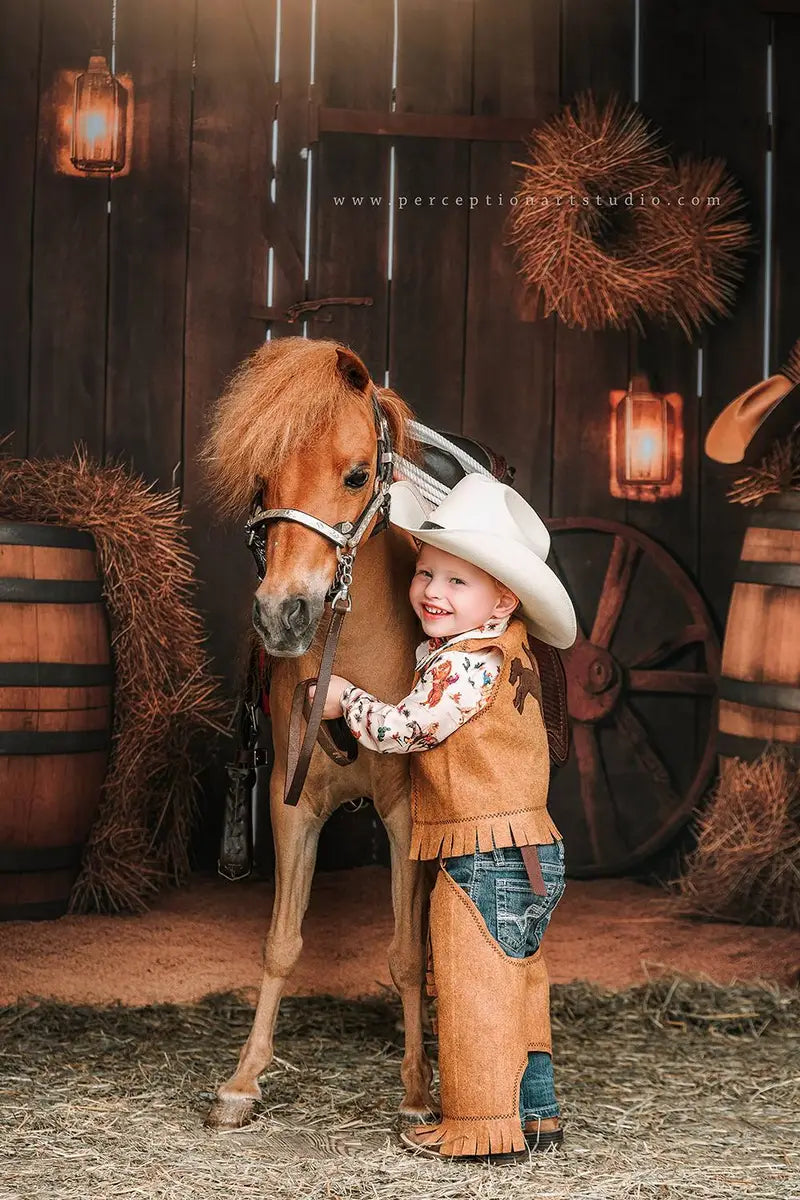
column 208, row 938
column 670, row 1091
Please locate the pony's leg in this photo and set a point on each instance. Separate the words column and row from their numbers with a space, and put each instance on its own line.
column 296, row 833
column 408, row 957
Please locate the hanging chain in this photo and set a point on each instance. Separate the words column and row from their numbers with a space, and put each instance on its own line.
column 342, row 582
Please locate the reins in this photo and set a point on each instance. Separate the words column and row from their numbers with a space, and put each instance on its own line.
column 346, row 536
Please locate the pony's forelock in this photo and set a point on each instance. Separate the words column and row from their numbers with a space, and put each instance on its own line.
column 285, row 397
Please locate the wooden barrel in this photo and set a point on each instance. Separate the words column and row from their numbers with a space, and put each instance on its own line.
column 760, row 685
column 55, row 713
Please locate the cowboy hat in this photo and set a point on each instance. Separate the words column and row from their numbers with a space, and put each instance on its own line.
column 490, row 525
column 746, row 426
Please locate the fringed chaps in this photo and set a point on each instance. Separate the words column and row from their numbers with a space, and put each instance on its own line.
column 492, row 1010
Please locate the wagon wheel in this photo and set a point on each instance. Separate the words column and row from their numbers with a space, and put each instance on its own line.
column 642, row 686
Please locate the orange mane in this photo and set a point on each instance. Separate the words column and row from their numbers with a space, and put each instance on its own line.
column 282, row 399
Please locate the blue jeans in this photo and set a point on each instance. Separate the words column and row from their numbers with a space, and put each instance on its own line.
column 497, row 883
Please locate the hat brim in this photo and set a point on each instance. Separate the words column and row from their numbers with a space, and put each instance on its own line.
column 741, row 428
column 545, row 605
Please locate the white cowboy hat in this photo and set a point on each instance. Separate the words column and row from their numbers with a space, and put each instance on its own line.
column 491, row 526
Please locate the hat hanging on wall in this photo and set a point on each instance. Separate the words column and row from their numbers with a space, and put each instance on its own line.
column 745, row 428
column 606, row 228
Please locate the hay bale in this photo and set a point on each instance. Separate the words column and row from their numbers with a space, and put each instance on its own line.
column 746, row 866
column 164, row 693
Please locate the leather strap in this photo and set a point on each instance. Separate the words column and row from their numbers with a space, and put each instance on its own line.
column 341, row 755
column 534, row 869
column 554, row 699
column 298, row 755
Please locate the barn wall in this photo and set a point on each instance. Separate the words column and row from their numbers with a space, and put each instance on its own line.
column 126, row 304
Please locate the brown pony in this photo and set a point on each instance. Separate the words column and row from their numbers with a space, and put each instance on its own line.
column 297, row 419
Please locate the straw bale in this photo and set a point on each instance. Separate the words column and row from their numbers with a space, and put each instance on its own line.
column 746, row 865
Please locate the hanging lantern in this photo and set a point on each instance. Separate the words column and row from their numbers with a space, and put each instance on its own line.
column 99, row 120
column 646, row 443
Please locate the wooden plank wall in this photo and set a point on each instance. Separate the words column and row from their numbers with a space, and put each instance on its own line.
column 19, row 104
column 126, row 305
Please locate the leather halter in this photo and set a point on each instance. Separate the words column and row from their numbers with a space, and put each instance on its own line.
column 346, row 536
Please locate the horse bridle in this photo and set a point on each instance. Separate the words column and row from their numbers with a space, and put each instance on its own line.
column 346, row 536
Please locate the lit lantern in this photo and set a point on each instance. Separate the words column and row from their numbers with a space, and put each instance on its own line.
column 99, row 120
column 646, row 443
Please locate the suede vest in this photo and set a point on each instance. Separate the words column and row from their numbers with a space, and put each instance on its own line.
column 485, row 786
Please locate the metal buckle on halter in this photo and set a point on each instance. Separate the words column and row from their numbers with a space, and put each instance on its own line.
column 339, row 591
column 255, row 536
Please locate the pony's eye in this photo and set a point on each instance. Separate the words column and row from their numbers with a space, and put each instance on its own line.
column 356, row 479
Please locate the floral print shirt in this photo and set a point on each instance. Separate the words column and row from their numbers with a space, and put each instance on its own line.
column 452, row 687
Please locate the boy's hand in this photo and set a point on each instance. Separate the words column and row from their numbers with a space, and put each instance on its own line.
column 333, row 700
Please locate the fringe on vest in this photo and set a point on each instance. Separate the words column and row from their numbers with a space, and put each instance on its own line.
column 449, row 839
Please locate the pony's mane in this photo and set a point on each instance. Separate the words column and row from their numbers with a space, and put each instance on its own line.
column 282, row 399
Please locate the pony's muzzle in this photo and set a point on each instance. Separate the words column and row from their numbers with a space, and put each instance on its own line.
column 286, row 626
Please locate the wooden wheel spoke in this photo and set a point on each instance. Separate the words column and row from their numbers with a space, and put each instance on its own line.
column 690, row 683
column 616, row 585
column 634, row 733
column 598, row 808
column 689, row 635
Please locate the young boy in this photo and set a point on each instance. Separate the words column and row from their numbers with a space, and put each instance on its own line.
column 480, row 774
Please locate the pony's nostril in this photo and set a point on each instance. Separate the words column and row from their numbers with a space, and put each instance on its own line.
column 294, row 615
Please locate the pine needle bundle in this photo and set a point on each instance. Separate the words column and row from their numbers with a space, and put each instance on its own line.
column 604, row 226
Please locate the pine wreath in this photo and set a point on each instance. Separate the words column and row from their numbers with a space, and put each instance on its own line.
column 598, row 230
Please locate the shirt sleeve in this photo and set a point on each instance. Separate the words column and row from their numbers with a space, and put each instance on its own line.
column 452, row 689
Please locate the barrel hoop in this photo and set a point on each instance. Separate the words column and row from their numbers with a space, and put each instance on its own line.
column 13, row 533
column 67, row 741
column 50, row 591
column 60, row 675
column 760, row 695
column 776, row 518
column 789, row 501
column 769, row 574
column 732, row 745
column 39, row 858
column 39, row 910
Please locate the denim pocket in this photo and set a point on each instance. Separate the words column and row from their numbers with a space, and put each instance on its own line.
column 522, row 916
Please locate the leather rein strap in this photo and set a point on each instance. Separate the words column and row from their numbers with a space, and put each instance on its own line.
column 298, row 755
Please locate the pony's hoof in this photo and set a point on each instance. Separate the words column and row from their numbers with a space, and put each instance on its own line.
column 229, row 1112
column 419, row 1108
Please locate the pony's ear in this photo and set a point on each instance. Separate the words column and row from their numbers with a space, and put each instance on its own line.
column 352, row 369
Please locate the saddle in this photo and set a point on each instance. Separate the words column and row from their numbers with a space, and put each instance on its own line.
column 445, row 468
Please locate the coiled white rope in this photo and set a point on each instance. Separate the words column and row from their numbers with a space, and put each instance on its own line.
column 432, row 489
